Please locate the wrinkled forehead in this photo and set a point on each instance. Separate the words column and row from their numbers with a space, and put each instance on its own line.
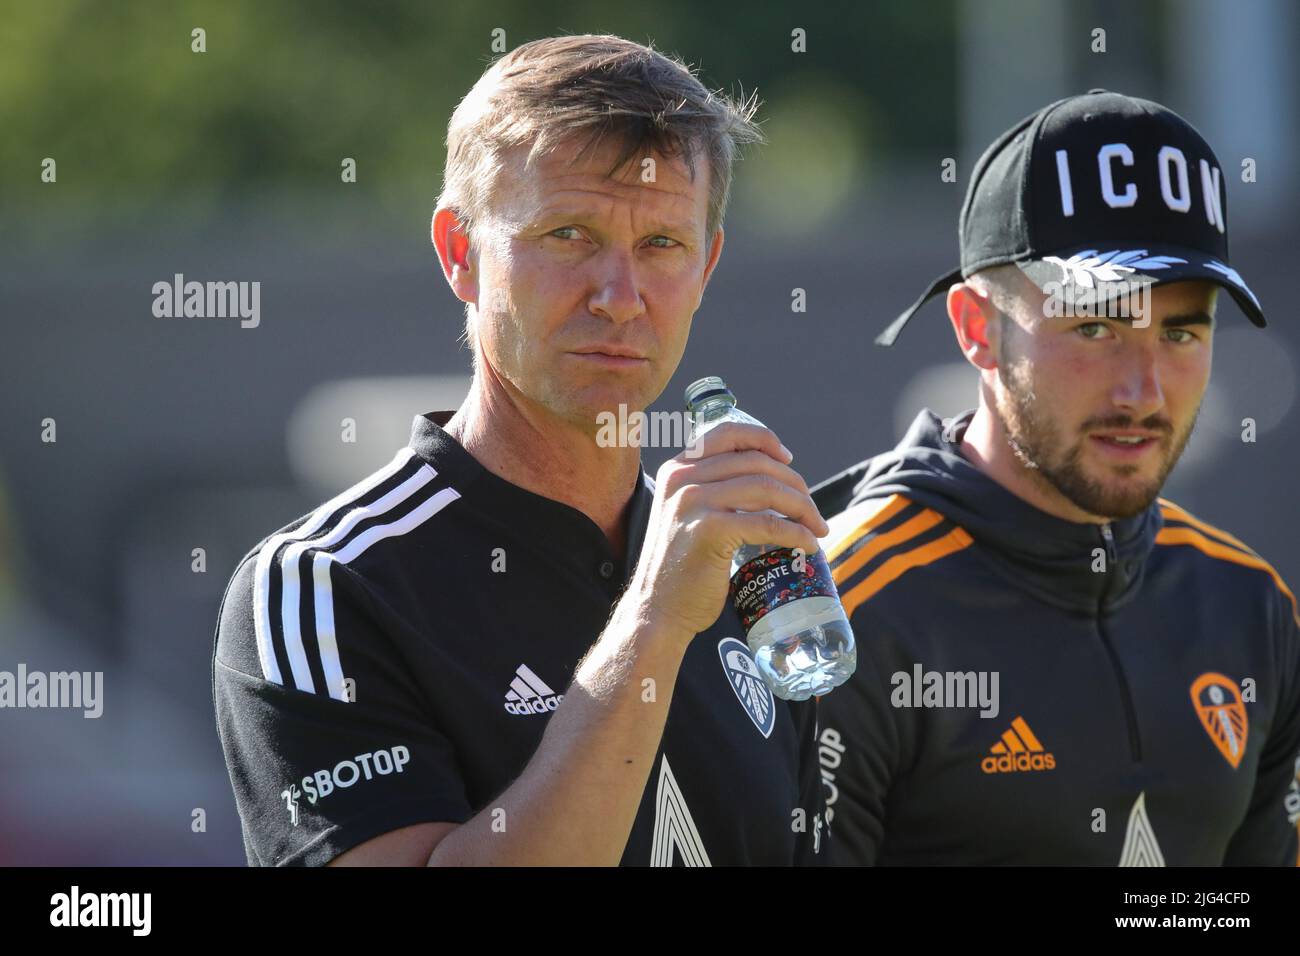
column 576, row 170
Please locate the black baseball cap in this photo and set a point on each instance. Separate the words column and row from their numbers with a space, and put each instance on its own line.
column 1093, row 190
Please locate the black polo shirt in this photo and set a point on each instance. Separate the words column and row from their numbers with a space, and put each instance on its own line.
column 393, row 657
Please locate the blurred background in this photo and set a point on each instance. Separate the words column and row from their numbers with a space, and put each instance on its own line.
column 174, row 435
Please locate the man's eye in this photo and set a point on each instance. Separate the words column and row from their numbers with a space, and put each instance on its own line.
column 566, row 229
column 663, row 242
column 1091, row 330
column 1189, row 336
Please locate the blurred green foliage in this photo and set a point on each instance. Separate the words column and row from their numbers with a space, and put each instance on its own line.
column 286, row 89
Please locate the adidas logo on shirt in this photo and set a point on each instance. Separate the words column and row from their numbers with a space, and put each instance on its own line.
column 529, row 694
column 1018, row 750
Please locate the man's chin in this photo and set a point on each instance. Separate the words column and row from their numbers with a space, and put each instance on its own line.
column 596, row 410
column 1125, row 503
column 1109, row 493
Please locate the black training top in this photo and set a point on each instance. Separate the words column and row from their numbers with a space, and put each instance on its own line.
column 1147, row 704
column 393, row 657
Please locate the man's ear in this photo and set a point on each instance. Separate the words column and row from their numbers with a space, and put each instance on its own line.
column 974, row 321
column 451, row 239
column 715, row 253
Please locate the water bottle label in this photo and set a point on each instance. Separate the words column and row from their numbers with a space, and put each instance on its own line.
column 778, row 577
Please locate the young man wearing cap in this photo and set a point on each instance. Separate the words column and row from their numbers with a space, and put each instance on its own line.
column 509, row 646
column 1056, row 665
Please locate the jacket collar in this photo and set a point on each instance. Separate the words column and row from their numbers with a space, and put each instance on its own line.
column 1082, row 567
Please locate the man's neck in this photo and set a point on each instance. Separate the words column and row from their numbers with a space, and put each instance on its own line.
column 985, row 446
column 526, row 445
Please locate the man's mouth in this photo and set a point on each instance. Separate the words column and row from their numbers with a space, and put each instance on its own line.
column 611, row 356
column 1125, row 443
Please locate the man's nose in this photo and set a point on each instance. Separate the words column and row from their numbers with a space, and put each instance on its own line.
column 617, row 293
column 1137, row 385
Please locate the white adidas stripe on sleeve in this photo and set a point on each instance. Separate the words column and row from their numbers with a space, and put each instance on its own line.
column 324, row 591
column 265, row 557
column 290, row 596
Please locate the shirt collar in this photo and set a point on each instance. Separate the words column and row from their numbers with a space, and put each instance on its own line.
column 567, row 529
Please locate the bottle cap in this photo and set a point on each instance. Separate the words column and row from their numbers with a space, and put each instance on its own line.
column 705, row 388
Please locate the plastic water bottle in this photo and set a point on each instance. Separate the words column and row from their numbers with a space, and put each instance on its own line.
column 794, row 623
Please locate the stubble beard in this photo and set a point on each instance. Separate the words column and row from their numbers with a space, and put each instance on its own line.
column 1041, row 448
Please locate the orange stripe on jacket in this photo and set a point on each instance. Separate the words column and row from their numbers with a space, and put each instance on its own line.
column 1216, row 550
column 892, row 506
column 900, row 564
column 1174, row 511
column 906, row 531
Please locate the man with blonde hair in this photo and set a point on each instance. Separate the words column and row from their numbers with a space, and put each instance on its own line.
column 509, row 646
